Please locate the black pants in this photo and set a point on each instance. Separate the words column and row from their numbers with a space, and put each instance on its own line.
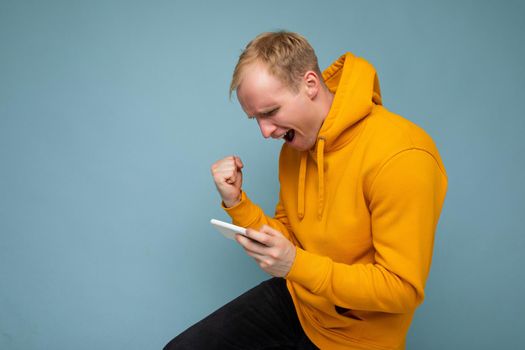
column 262, row 318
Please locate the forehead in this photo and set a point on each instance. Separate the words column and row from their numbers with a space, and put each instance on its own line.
column 259, row 89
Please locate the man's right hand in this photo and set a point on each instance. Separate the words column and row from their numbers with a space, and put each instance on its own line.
column 227, row 175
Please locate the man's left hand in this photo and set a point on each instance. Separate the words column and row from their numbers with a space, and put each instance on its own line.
column 273, row 252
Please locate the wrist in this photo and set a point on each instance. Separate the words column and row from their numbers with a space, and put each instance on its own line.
column 232, row 203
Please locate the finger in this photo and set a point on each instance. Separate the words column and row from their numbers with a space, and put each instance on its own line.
column 259, row 258
column 250, row 245
column 261, row 237
column 238, row 162
column 221, row 168
column 263, row 261
column 230, row 176
column 270, row 231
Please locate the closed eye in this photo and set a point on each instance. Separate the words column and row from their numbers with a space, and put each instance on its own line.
column 270, row 113
column 265, row 114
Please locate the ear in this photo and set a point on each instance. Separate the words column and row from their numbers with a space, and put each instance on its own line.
column 311, row 83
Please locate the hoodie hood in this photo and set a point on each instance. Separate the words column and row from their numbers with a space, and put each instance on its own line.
column 355, row 86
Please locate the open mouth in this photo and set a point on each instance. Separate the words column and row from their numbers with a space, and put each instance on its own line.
column 289, row 135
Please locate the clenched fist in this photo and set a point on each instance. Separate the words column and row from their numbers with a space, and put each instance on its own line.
column 227, row 175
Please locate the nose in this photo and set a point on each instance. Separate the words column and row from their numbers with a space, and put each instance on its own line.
column 267, row 127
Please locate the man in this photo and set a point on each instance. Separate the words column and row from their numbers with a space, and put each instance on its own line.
column 361, row 190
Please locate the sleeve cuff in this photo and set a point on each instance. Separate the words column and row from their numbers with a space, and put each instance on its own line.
column 242, row 213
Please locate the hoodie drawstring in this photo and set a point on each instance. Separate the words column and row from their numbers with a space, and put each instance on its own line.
column 300, row 189
column 320, row 174
column 302, row 180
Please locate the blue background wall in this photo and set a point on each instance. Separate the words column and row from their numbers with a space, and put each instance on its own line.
column 111, row 113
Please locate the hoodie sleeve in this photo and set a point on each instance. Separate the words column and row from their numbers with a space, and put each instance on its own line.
column 247, row 214
column 405, row 202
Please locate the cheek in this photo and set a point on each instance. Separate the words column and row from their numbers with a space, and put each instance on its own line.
column 300, row 117
column 302, row 106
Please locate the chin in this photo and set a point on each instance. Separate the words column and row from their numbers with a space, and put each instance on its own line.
column 299, row 147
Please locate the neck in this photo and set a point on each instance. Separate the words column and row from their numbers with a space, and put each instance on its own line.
column 326, row 99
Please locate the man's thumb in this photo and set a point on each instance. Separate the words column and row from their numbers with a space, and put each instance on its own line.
column 238, row 163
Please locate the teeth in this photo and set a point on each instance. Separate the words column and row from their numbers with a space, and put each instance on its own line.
column 289, row 135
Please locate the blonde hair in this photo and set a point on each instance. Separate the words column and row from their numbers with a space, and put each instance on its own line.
column 287, row 56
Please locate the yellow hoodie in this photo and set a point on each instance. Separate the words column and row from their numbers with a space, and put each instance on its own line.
column 361, row 207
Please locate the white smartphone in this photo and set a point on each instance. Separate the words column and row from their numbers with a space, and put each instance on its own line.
column 228, row 230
